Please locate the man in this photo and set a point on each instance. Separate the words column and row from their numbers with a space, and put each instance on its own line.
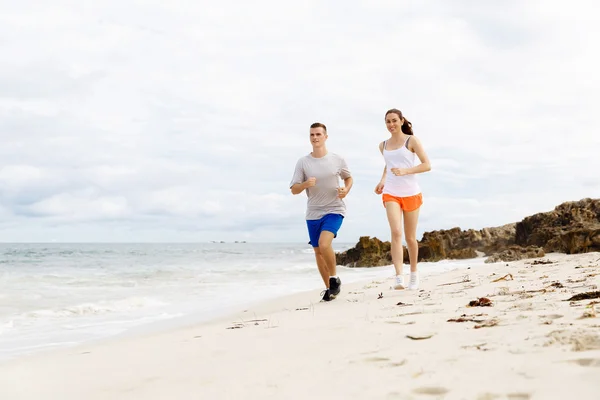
column 318, row 173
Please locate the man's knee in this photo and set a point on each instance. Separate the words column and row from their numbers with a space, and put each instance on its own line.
column 325, row 240
column 324, row 244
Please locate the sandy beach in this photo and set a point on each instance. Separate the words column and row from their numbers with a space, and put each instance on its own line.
column 521, row 338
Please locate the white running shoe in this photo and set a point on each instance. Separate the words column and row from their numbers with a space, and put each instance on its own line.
column 414, row 281
column 399, row 283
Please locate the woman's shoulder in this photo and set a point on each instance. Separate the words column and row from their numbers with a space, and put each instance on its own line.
column 413, row 141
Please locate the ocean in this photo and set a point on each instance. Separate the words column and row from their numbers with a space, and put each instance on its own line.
column 56, row 295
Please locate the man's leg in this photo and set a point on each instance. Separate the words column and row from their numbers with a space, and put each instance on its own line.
column 326, row 250
column 323, row 269
column 331, row 225
column 334, row 283
column 314, row 229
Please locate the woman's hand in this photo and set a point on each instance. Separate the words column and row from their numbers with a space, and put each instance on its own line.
column 399, row 171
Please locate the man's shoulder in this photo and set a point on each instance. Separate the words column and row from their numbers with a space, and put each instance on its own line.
column 303, row 159
column 336, row 156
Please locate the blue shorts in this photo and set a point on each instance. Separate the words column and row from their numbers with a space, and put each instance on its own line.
column 328, row 222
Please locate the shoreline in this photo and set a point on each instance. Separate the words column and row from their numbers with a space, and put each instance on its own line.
column 201, row 318
column 530, row 343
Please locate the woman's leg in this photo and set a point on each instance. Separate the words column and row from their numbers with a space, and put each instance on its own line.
column 411, row 218
column 394, row 216
column 410, row 230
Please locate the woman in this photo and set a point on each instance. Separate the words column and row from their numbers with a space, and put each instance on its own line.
column 402, row 196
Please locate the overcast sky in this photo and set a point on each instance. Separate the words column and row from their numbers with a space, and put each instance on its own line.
column 183, row 120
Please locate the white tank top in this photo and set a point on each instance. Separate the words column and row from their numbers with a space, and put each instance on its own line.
column 400, row 186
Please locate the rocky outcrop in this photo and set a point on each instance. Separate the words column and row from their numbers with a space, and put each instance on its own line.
column 572, row 227
column 514, row 253
column 458, row 244
column 368, row 252
column 437, row 245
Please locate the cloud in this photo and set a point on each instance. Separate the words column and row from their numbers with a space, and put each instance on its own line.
column 183, row 121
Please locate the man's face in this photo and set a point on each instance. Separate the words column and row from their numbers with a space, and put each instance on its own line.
column 318, row 137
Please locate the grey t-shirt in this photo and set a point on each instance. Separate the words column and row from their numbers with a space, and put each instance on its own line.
column 322, row 198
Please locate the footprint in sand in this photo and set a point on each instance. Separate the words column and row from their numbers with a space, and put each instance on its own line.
column 587, row 362
column 580, row 340
column 518, row 396
column 431, row 390
column 397, row 364
column 488, row 396
column 376, row 359
column 551, row 316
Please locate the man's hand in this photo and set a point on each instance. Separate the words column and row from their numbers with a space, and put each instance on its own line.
column 310, row 182
column 379, row 188
column 342, row 192
column 399, row 171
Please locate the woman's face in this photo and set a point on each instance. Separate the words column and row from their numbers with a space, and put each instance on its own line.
column 393, row 122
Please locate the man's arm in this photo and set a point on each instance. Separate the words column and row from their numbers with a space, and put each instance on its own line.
column 343, row 191
column 348, row 182
column 298, row 188
column 347, row 177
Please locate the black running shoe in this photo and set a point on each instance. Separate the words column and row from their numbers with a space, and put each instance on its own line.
column 334, row 286
column 327, row 295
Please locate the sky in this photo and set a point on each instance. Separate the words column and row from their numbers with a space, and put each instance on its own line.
column 182, row 121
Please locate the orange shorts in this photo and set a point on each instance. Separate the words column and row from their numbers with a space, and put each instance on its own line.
column 410, row 203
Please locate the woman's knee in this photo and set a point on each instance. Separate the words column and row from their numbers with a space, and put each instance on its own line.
column 411, row 241
column 396, row 234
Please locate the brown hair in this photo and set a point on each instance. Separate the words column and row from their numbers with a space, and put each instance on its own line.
column 319, row 125
column 406, row 126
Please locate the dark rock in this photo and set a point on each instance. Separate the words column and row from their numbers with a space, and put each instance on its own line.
column 367, row 253
column 572, row 227
column 514, row 253
column 458, row 244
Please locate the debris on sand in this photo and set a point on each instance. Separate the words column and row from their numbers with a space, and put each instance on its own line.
column 403, row 304
column 591, row 313
column 460, row 319
column 380, row 296
column 468, row 318
column 585, row 266
column 541, row 262
column 585, row 296
column 481, row 302
column 477, row 346
column 419, row 337
column 465, row 279
column 487, row 324
column 591, row 310
column 507, row 277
